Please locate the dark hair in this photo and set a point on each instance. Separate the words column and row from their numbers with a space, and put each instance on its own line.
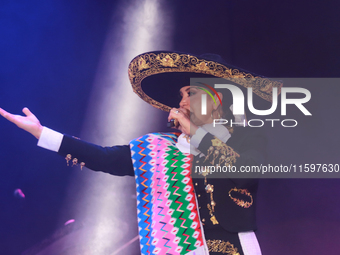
column 227, row 101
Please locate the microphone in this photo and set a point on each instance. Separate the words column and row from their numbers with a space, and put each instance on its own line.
column 172, row 123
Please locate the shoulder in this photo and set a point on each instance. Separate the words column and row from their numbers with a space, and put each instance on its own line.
column 247, row 136
column 247, row 131
column 156, row 138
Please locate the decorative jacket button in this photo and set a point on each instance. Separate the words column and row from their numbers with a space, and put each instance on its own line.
column 74, row 161
column 82, row 164
column 68, row 158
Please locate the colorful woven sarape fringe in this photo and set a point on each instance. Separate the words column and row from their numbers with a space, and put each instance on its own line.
column 166, row 205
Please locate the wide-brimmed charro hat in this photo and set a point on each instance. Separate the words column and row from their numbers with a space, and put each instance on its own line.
column 157, row 76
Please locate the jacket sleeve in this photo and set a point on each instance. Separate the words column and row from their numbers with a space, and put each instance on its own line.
column 114, row 160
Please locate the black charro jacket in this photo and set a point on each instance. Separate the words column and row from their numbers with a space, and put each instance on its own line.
column 235, row 198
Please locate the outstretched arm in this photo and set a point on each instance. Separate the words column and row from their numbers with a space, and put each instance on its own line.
column 115, row 160
column 30, row 123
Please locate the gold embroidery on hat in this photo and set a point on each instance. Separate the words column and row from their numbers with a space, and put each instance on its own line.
column 142, row 64
column 202, row 66
column 155, row 63
column 168, row 61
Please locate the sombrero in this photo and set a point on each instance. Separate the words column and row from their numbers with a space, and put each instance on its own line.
column 157, row 76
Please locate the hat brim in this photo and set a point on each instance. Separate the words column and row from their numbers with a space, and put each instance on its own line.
column 157, row 77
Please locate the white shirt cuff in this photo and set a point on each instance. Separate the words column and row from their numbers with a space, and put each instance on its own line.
column 197, row 137
column 221, row 132
column 50, row 139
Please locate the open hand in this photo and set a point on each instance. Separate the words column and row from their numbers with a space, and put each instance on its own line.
column 30, row 123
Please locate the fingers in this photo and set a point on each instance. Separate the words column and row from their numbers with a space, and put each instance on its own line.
column 176, row 114
column 172, row 113
column 2, row 112
column 27, row 112
column 6, row 115
column 181, row 117
column 16, row 119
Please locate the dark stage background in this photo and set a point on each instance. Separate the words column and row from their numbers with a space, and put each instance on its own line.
column 50, row 52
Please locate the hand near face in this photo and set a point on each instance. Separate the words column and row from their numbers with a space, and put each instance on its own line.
column 181, row 116
column 188, row 116
column 29, row 123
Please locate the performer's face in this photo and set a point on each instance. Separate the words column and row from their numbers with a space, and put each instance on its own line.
column 192, row 102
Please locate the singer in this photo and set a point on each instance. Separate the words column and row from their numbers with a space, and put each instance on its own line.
column 180, row 211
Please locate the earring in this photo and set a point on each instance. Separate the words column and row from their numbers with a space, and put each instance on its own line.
column 212, row 114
